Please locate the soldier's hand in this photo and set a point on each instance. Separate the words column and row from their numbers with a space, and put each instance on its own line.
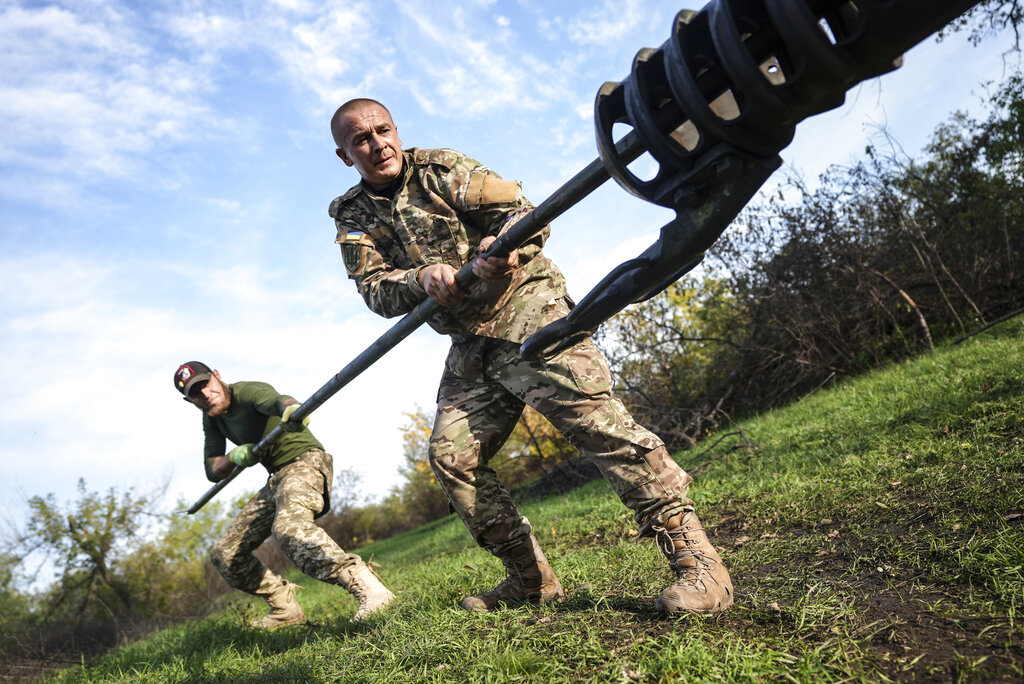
column 439, row 282
column 289, row 426
column 494, row 268
column 242, row 455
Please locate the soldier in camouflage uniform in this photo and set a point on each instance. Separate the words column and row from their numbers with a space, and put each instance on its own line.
column 299, row 490
column 416, row 217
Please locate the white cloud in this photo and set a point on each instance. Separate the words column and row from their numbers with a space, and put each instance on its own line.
column 297, row 6
column 481, row 76
column 337, row 53
column 83, row 98
column 210, row 32
column 607, row 24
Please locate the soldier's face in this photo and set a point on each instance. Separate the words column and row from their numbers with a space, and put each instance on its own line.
column 212, row 396
column 372, row 145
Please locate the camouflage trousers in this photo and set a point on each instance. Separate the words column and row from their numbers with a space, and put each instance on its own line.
column 285, row 507
column 483, row 390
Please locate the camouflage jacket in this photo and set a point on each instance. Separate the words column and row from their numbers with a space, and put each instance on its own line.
column 445, row 205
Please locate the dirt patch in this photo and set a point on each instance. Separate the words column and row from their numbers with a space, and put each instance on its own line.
column 926, row 635
column 914, row 630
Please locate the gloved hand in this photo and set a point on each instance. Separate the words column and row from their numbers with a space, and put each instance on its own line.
column 242, row 455
column 289, row 426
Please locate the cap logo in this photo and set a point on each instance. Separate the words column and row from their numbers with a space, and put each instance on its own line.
column 190, row 373
column 184, row 373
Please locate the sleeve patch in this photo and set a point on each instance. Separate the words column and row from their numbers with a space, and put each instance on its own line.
column 355, row 248
column 484, row 189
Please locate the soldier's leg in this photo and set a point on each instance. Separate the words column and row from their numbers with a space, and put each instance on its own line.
column 573, row 391
column 232, row 555
column 473, row 420
column 299, row 490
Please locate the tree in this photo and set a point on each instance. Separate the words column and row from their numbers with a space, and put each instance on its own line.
column 670, row 357
column 169, row 575
column 85, row 541
column 420, row 494
column 987, row 18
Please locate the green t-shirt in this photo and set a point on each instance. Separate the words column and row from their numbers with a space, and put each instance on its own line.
column 255, row 410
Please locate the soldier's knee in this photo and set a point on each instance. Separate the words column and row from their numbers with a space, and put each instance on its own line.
column 219, row 557
column 285, row 530
column 442, row 461
column 452, row 465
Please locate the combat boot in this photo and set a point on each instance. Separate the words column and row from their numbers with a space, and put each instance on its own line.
column 363, row 583
column 284, row 609
column 702, row 582
column 530, row 578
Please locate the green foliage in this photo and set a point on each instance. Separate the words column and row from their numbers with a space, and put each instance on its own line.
column 14, row 604
column 86, row 540
column 671, row 357
column 988, row 18
column 169, row 576
column 877, row 263
column 420, row 493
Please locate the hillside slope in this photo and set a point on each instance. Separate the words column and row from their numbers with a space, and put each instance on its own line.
column 873, row 530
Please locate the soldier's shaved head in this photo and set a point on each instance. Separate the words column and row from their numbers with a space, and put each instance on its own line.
column 337, row 128
column 367, row 139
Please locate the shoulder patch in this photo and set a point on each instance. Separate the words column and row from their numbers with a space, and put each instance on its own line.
column 484, row 189
column 441, row 157
column 355, row 248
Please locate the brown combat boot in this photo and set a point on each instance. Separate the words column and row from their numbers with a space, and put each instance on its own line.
column 284, row 609
column 530, row 578
column 363, row 583
column 702, row 582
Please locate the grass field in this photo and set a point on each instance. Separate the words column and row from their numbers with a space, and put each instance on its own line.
column 873, row 531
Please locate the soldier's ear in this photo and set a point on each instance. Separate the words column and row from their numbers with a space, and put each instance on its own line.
column 343, row 156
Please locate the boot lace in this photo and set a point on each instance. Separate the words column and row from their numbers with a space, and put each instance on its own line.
column 684, row 543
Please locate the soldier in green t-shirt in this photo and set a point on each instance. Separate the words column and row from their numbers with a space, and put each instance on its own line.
column 298, row 490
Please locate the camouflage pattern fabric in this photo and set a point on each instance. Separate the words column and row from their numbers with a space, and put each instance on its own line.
column 284, row 507
column 483, row 390
column 446, row 204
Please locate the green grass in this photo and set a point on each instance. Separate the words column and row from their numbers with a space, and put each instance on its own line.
column 874, row 533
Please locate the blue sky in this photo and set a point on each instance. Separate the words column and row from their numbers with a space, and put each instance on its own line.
column 165, row 172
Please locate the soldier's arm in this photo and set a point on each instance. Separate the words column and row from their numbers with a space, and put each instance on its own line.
column 221, row 468
column 262, row 397
column 492, row 203
column 387, row 291
column 214, row 447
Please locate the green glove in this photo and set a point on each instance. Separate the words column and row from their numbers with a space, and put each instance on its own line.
column 242, row 455
column 288, row 426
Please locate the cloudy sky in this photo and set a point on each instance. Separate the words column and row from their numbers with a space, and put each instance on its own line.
column 165, row 171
